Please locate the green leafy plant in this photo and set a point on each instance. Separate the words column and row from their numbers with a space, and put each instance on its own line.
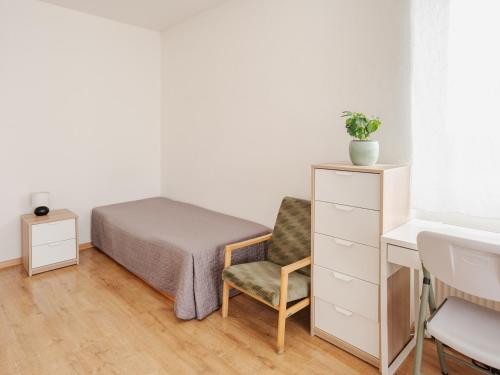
column 359, row 126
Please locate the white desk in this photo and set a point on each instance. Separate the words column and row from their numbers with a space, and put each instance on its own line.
column 399, row 249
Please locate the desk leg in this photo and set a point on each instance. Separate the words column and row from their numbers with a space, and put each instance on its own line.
column 386, row 367
column 384, row 326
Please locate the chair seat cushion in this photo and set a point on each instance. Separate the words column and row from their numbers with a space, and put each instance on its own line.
column 263, row 280
column 470, row 329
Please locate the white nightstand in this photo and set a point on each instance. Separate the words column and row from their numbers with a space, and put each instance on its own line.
column 49, row 242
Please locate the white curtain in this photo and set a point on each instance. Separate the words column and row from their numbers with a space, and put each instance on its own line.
column 456, row 106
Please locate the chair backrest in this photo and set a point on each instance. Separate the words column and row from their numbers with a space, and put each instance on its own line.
column 467, row 265
column 291, row 239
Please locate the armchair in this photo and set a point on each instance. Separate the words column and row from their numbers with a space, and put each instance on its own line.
column 285, row 276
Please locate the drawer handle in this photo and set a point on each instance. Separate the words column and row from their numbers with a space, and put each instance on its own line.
column 53, row 223
column 343, row 311
column 343, row 208
column 343, row 173
column 342, row 277
column 343, row 242
column 54, row 244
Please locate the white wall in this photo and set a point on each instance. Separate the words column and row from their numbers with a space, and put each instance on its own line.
column 79, row 113
column 253, row 90
column 251, row 96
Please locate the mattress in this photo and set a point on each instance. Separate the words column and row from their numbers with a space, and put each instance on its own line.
column 176, row 247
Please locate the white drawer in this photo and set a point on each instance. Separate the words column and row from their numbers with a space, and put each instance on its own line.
column 346, row 291
column 349, row 188
column 348, row 326
column 348, row 223
column 54, row 252
column 348, row 257
column 53, row 232
column 403, row 256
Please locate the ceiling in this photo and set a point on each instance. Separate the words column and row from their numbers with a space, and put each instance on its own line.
column 151, row 14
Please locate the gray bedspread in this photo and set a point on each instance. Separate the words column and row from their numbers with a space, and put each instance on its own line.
column 176, row 247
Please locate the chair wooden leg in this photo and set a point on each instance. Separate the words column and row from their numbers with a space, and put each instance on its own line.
column 281, row 329
column 282, row 312
column 225, row 300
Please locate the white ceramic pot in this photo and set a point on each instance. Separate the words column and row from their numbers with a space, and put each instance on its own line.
column 363, row 152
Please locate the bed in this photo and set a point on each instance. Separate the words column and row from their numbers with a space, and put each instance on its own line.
column 177, row 248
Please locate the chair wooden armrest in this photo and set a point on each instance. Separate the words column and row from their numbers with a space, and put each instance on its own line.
column 287, row 270
column 228, row 251
column 295, row 266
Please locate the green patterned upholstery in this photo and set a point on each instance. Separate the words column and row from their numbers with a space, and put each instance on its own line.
column 263, row 279
column 291, row 240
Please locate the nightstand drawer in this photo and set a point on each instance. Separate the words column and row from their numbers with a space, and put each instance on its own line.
column 343, row 290
column 348, row 326
column 348, row 257
column 54, row 252
column 54, row 231
column 349, row 188
column 348, row 223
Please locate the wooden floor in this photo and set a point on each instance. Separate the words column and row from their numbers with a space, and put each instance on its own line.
column 97, row 318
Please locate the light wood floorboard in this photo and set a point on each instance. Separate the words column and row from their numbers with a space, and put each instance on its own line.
column 97, row 318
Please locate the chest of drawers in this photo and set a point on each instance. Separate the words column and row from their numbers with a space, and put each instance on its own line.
column 352, row 207
column 49, row 242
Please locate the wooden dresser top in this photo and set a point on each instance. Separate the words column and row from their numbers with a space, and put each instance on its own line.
column 346, row 166
column 55, row 215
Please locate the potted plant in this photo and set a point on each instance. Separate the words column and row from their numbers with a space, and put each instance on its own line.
column 362, row 150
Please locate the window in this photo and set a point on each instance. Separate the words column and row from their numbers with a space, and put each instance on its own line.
column 456, row 107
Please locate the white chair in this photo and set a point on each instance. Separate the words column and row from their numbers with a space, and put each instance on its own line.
column 474, row 268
